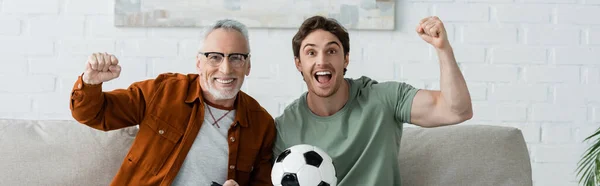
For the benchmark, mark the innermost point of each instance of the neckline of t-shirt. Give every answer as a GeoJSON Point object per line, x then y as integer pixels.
{"type": "Point", "coordinates": [338, 114]}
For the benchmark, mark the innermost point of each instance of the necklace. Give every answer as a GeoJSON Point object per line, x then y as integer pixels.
{"type": "Point", "coordinates": [213, 117]}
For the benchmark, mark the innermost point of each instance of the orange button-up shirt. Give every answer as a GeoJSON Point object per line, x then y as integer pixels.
{"type": "Point", "coordinates": [170, 111]}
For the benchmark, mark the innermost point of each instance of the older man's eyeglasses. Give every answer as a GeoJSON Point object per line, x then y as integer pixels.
{"type": "Point", "coordinates": [215, 58]}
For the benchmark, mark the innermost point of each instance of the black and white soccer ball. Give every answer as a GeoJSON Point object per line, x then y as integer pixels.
{"type": "Point", "coordinates": [303, 165]}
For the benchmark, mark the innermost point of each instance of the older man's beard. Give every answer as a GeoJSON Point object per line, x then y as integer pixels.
{"type": "Point", "coordinates": [221, 95]}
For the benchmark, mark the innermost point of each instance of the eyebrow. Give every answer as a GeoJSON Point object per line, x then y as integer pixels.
{"type": "Point", "coordinates": [313, 45]}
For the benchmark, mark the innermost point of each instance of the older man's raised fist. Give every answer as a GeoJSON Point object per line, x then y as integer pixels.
{"type": "Point", "coordinates": [101, 67]}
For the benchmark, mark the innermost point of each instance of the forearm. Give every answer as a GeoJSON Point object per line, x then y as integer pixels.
{"type": "Point", "coordinates": [453, 87]}
{"type": "Point", "coordinates": [100, 110]}
{"type": "Point", "coordinates": [86, 104]}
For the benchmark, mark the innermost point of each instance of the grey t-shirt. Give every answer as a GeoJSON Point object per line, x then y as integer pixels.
{"type": "Point", "coordinates": [208, 158]}
{"type": "Point", "coordinates": [363, 138]}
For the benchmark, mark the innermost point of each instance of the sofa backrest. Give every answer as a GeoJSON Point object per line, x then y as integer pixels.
{"type": "Point", "coordinates": [68, 153]}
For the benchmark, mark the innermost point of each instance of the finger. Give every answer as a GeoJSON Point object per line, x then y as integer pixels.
{"type": "Point", "coordinates": [424, 20]}
{"type": "Point", "coordinates": [428, 27]}
{"type": "Point", "coordinates": [436, 21]}
{"type": "Point", "coordinates": [107, 62]}
{"type": "Point", "coordinates": [94, 61]}
{"type": "Point", "coordinates": [113, 60]}
{"type": "Point", "coordinates": [426, 38]}
{"type": "Point", "coordinates": [425, 29]}
{"type": "Point", "coordinates": [429, 23]}
{"type": "Point", "coordinates": [88, 68]}
{"type": "Point", "coordinates": [419, 29]}
{"type": "Point", "coordinates": [434, 31]}
{"type": "Point", "coordinates": [88, 63]}
{"type": "Point", "coordinates": [115, 70]}
{"type": "Point", "coordinates": [424, 26]}
{"type": "Point", "coordinates": [101, 63]}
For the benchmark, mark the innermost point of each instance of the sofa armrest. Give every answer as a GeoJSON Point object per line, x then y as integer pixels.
{"type": "Point", "coordinates": [44, 152]}
{"type": "Point", "coordinates": [462, 155]}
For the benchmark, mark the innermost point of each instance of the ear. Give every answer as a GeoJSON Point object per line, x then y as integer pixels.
{"type": "Point", "coordinates": [298, 64]}
{"type": "Point", "coordinates": [198, 67]}
{"type": "Point", "coordinates": [249, 67]}
{"type": "Point", "coordinates": [346, 60]}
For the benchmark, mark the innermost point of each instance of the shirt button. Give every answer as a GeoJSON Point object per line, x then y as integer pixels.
{"type": "Point", "coordinates": [232, 139]}
{"type": "Point", "coordinates": [161, 131]}
{"type": "Point", "coordinates": [231, 167]}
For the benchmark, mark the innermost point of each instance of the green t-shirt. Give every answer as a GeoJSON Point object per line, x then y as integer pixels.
{"type": "Point", "coordinates": [363, 138]}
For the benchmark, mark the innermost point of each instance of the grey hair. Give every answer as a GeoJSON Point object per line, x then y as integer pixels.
{"type": "Point", "coordinates": [228, 24]}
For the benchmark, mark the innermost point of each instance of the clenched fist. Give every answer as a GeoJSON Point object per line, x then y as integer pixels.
{"type": "Point", "coordinates": [101, 67]}
{"type": "Point", "coordinates": [431, 29]}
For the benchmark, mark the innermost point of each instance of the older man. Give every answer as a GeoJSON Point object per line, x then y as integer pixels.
{"type": "Point", "coordinates": [194, 129]}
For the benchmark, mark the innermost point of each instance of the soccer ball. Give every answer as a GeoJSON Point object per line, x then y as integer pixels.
{"type": "Point", "coordinates": [303, 165]}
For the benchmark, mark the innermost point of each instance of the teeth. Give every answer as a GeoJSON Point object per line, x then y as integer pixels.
{"type": "Point", "coordinates": [323, 73]}
{"type": "Point", "coordinates": [224, 81]}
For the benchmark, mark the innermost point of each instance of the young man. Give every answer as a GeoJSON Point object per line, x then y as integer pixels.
{"type": "Point", "coordinates": [358, 122]}
{"type": "Point", "coordinates": [194, 129]}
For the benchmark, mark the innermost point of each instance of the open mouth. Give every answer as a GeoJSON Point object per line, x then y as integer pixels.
{"type": "Point", "coordinates": [323, 76]}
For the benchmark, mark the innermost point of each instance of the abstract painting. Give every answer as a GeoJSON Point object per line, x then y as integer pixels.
{"type": "Point", "coordinates": [353, 14]}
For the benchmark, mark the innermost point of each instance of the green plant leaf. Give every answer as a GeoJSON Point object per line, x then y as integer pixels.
{"type": "Point", "coordinates": [588, 168]}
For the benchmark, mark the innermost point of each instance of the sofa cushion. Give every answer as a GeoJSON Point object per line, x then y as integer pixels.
{"type": "Point", "coordinates": [464, 155]}
{"type": "Point", "coordinates": [60, 153]}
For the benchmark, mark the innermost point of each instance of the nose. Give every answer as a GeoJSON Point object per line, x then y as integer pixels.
{"type": "Point", "coordinates": [321, 60]}
{"type": "Point", "coordinates": [225, 67]}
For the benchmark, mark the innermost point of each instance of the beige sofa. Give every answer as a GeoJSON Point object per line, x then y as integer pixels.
{"type": "Point", "coordinates": [67, 153]}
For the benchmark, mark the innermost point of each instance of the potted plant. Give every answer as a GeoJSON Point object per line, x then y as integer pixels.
{"type": "Point", "coordinates": [589, 166]}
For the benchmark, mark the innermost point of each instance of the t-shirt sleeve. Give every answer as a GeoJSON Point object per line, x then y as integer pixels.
{"type": "Point", "coordinates": [399, 96]}
{"type": "Point", "coordinates": [405, 95]}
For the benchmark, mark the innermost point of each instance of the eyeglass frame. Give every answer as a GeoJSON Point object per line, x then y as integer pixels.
{"type": "Point", "coordinates": [223, 55]}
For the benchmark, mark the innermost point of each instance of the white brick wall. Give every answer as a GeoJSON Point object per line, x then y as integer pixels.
{"type": "Point", "coordinates": [24, 6]}
{"type": "Point", "coordinates": [578, 14]}
{"type": "Point", "coordinates": [88, 7]}
{"type": "Point", "coordinates": [552, 74]}
{"type": "Point", "coordinates": [56, 26]}
{"type": "Point", "coordinates": [530, 64]}
{"type": "Point", "coordinates": [593, 2]}
{"type": "Point", "coordinates": [489, 34]}
{"type": "Point", "coordinates": [577, 55]}
{"type": "Point", "coordinates": [594, 36]}
{"type": "Point", "coordinates": [10, 26]}
{"type": "Point", "coordinates": [463, 12]}
{"type": "Point", "coordinates": [523, 13]}
{"type": "Point", "coordinates": [26, 46]}
{"type": "Point", "coordinates": [519, 55]}
{"type": "Point", "coordinates": [490, 73]}
{"type": "Point", "coordinates": [550, 35]}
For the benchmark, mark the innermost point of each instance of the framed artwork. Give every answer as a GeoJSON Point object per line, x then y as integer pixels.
{"type": "Point", "coordinates": [353, 14]}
